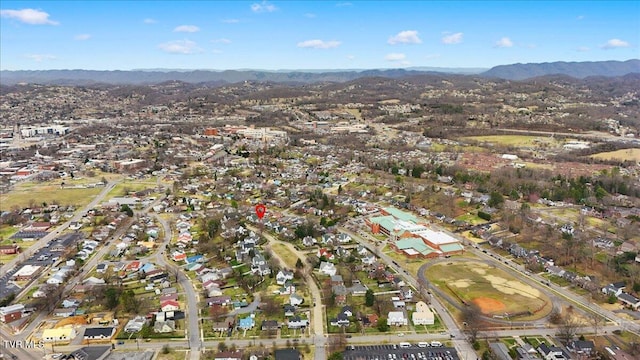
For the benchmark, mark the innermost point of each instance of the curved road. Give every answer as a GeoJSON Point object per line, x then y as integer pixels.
{"type": "Point", "coordinates": [319, 338]}
{"type": "Point", "coordinates": [193, 333]}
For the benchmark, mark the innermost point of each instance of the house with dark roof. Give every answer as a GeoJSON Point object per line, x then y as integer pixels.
{"type": "Point", "coordinates": [552, 352]}
{"type": "Point", "coordinates": [99, 333]}
{"type": "Point", "coordinates": [582, 347]}
{"type": "Point", "coordinates": [629, 300]}
{"type": "Point", "coordinates": [288, 354]}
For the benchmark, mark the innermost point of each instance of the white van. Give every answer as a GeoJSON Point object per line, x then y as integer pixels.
{"type": "Point", "coordinates": [404, 345]}
{"type": "Point", "coordinates": [423, 344]}
{"type": "Point", "coordinates": [436, 343]}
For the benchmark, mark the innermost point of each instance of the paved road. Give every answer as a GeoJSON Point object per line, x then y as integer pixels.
{"type": "Point", "coordinates": [462, 346]}
{"type": "Point", "coordinates": [317, 321]}
{"type": "Point", "coordinates": [194, 335]}
{"type": "Point", "coordinates": [52, 235]}
{"type": "Point", "coordinates": [559, 291]}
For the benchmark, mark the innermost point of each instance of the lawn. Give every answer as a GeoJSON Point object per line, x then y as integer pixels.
{"type": "Point", "coordinates": [620, 155]}
{"type": "Point", "coordinates": [513, 140]}
{"type": "Point", "coordinates": [285, 254]}
{"type": "Point", "coordinates": [24, 197]}
{"type": "Point", "coordinates": [172, 355]}
{"type": "Point", "coordinates": [127, 186]}
{"type": "Point", "coordinates": [492, 289]}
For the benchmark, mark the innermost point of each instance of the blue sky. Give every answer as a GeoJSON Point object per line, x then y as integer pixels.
{"type": "Point", "coordinates": [124, 35]}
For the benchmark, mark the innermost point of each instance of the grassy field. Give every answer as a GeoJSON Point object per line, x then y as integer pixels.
{"type": "Point", "coordinates": [492, 289]}
{"type": "Point", "coordinates": [285, 254]}
{"type": "Point", "coordinates": [514, 140]}
{"type": "Point", "coordinates": [50, 194]}
{"type": "Point", "coordinates": [621, 155]}
{"type": "Point", "coordinates": [126, 186]}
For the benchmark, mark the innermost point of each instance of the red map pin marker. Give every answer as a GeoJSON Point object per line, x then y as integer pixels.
{"type": "Point", "coordinates": [260, 210]}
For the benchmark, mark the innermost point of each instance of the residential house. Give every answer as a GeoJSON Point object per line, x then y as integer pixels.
{"type": "Point", "coordinates": [499, 351]}
{"type": "Point", "coordinates": [62, 312]}
{"type": "Point", "coordinates": [340, 292]}
{"type": "Point", "coordinates": [269, 325]}
{"type": "Point", "coordinates": [166, 326]}
{"type": "Point", "coordinates": [99, 333]}
{"type": "Point", "coordinates": [327, 268]}
{"type": "Point", "coordinates": [247, 323]}
{"type": "Point", "coordinates": [295, 300]}
{"type": "Point", "coordinates": [229, 355]}
{"type": "Point", "coordinates": [397, 318]}
{"type": "Point", "coordinates": [289, 310]}
{"type": "Point", "coordinates": [552, 352]}
{"type": "Point", "coordinates": [584, 348]}
{"type": "Point", "coordinates": [630, 300]}
{"type": "Point", "coordinates": [614, 289]}
{"type": "Point", "coordinates": [297, 323]}
{"type": "Point", "coordinates": [219, 300]}
{"type": "Point", "coordinates": [134, 325]}
{"type": "Point", "coordinates": [169, 305]}
{"type": "Point", "coordinates": [340, 320]}
{"type": "Point", "coordinates": [358, 289]}
{"type": "Point", "coordinates": [283, 276]}
{"type": "Point", "coordinates": [336, 280]}
{"type": "Point", "coordinates": [288, 354]}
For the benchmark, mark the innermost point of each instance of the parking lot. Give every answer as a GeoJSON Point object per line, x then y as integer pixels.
{"type": "Point", "coordinates": [395, 352]}
{"type": "Point", "coordinates": [45, 256]}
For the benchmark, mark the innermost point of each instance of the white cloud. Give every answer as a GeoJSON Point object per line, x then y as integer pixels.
{"type": "Point", "coordinates": [230, 21]}
{"type": "Point", "coordinates": [319, 44]}
{"type": "Point", "coordinates": [29, 16]}
{"type": "Point", "coordinates": [580, 17]}
{"type": "Point", "coordinates": [149, 21]}
{"type": "Point", "coordinates": [452, 38]}
{"type": "Point", "coordinates": [187, 28]}
{"type": "Point", "coordinates": [310, 15]}
{"type": "Point", "coordinates": [395, 57]}
{"type": "Point", "coordinates": [180, 47]}
{"type": "Point", "coordinates": [82, 37]}
{"type": "Point", "coordinates": [344, 4]}
{"type": "Point", "coordinates": [263, 7]}
{"type": "Point", "coordinates": [615, 43]}
{"type": "Point", "coordinates": [221, 41]}
{"type": "Point", "coordinates": [351, 57]}
{"type": "Point", "coordinates": [405, 37]}
{"type": "Point", "coordinates": [582, 49]}
{"type": "Point", "coordinates": [505, 42]}
{"type": "Point", "coordinates": [41, 57]}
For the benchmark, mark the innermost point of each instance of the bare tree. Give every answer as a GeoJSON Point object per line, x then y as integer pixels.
{"type": "Point", "coordinates": [472, 321]}
{"type": "Point", "coordinates": [596, 321]}
{"type": "Point", "coordinates": [568, 328]}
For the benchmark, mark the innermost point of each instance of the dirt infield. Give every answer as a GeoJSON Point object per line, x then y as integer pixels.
{"type": "Point", "coordinates": [489, 305]}
{"type": "Point", "coordinates": [495, 291]}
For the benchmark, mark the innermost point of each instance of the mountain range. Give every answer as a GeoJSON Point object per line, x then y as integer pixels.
{"type": "Point", "coordinates": [154, 76]}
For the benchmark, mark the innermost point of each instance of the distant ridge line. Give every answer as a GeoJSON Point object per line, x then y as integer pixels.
{"type": "Point", "coordinates": [578, 70]}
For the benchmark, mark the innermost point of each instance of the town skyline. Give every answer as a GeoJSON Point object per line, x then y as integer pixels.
{"type": "Point", "coordinates": [312, 35]}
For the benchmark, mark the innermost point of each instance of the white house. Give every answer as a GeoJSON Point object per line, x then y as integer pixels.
{"type": "Point", "coordinates": [283, 276]}
{"type": "Point", "coordinates": [328, 268]}
{"type": "Point", "coordinates": [397, 318]}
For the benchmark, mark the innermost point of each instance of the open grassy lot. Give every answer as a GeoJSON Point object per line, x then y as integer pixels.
{"type": "Point", "coordinates": [493, 290]}
{"type": "Point", "coordinates": [22, 197]}
{"type": "Point", "coordinates": [285, 254]}
{"type": "Point", "coordinates": [514, 140]}
{"type": "Point", "coordinates": [127, 186]}
{"type": "Point", "coordinates": [621, 155]}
